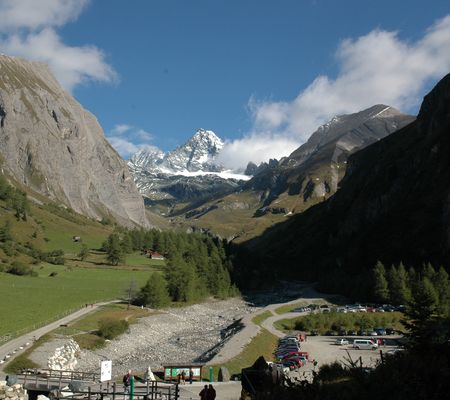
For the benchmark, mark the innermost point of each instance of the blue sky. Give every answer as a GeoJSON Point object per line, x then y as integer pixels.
{"type": "Point", "coordinates": [261, 74]}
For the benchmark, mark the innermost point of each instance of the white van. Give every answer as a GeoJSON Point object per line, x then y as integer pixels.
{"type": "Point", "coordinates": [364, 344]}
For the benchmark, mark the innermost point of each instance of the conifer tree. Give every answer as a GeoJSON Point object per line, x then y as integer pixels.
{"type": "Point", "coordinates": [398, 289]}
{"type": "Point", "coordinates": [113, 249]}
{"type": "Point", "coordinates": [442, 285]}
{"type": "Point", "coordinates": [421, 312]}
{"type": "Point", "coordinates": [428, 272]}
{"type": "Point", "coordinates": [380, 283]}
{"type": "Point", "coordinates": [154, 294]}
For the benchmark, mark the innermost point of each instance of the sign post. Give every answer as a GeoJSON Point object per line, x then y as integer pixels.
{"type": "Point", "coordinates": [105, 370]}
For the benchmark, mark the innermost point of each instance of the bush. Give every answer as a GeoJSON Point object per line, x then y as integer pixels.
{"type": "Point", "coordinates": [20, 269]}
{"type": "Point", "coordinates": [111, 328]}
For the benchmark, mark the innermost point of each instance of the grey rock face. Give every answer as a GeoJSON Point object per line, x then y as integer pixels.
{"type": "Point", "coordinates": [188, 173]}
{"type": "Point", "coordinates": [49, 142]}
{"type": "Point", "coordinates": [314, 170]}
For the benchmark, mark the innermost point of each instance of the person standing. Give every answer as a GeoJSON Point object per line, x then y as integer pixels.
{"type": "Point", "coordinates": [126, 383]}
{"type": "Point", "coordinates": [211, 394]}
{"type": "Point", "coordinates": [204, 393]}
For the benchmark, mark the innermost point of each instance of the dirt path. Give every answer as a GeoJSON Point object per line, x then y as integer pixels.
{"type": "Point", "coordinates": [13, 347]}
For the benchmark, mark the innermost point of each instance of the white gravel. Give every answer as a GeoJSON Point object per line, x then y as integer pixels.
{"type": "Point", "coordinates": [174, 336]}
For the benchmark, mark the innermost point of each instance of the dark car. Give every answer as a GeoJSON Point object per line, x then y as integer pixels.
{"type": "Point", "coordinates": [380, 331]}
{"type": "Point", "coordinates": [352, 333]}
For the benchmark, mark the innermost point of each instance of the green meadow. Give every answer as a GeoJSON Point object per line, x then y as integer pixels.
{"type": "Point", "coordinates": [29, 302]}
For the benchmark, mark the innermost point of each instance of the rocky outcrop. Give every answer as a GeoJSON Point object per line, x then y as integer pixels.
{"type": "Point", "coordinates": [65, 357]}
{"type": "Point", "coordinates": [14, 392]}
{"type": "Point", "coordinates": [51, 144]}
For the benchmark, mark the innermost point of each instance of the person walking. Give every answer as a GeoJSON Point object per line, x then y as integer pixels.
{"type": "Point", "coordinates": [191, 376]}
{"type": "Point", "coordinates": [211, 393]}
{"type": "Point", "coordinates": [204, 393]}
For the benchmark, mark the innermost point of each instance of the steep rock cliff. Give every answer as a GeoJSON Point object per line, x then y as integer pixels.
{"type": "Point", "coordinates": [50, 143]}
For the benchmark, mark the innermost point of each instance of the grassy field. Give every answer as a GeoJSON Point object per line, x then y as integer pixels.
{"type": "Point", "coordinates": [262, 317]}
{"type": "Point", "coordinates": [27, 302]}
{"type": "Point", "coordinates": [82, 331]}
{"type": "Point", "coordinates": [264, 344]}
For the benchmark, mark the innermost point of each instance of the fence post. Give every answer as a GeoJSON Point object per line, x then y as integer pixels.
{"type": "Point", "coordinates": [132, 387]}
{"type": "Point", "coordinates": [89, 393]}
{"type": "Point", "coordinates": [114, 391]}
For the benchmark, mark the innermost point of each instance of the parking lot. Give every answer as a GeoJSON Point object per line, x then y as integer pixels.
{"type": "Point", "coordinates": [323, 350]}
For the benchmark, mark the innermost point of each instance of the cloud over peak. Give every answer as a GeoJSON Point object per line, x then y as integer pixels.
{"type": "Point", "coordinates": [377, 68]}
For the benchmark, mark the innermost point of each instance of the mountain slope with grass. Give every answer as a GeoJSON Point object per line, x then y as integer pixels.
{"type": "Point", "coordinates": [393, 206]}
{"type": "Point", "coordinates": [308, 176]}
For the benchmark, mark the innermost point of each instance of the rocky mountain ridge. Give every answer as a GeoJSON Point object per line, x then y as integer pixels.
{"type": "Point", "coordinates": [188, 173]}
{"type": "Point", "coordinates": [311, 174]}
{"type": "Point", "coordinates": [393, 205]}
{"type": "Point", "coordinates": [51, 144]}
{"type": "Point", "coordinates": [314, 170]}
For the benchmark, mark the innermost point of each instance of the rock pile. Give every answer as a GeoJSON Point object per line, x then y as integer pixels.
{"type": "Point", "coordinates": [14, 392]}
{"type": "Point", "coordinates": [65, 357]}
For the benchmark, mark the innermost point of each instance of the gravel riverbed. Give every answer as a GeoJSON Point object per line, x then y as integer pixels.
{"type": "Point", "coordinates": [176, 336]}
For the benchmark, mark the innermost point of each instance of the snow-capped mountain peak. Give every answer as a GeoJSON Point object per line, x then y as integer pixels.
{"type": "Point", "coordinates": [190, 168]}
{"type": "Point", "coordinates": [197, 154]}
{"type": "Point", "coordinates": [147, 156]}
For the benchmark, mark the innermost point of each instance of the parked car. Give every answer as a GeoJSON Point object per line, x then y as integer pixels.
{"type": "Point", "coordinates": [390, 331]}
{"type": "Point", "coordinates": [352, 333]}
{"type": "Point", "coordinates": [314, 332]}
{"type": "Point", "coordinates": [362, 332]}
{"type": "Point", "coordinates": [364, 344]}
{"type": "Point", "coordinates": [373, 333]}
{"type": "Point", "coordinates": [341, 342]}
{"type": "Point", "coordinates": [380, 331]}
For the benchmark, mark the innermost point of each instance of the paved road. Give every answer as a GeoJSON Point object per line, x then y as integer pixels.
{"type": "Point", "coordinates": [237, 343]}
{"type": "Point", "coordinates": [15, 344]}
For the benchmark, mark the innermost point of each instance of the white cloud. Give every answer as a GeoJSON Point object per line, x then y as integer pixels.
{"type": "Point", "coordinates": [28, 30]}
{"type": "Point", "coordinates": [128, 140]}
{"type": "Point", "coordinates": [376, 68]}
{"type": "Point", "coordinates": [123, 146]}
{"type": "Point", "coordinates": [257, 148]}
{"type": "Point", "coordinates": [34, 15]}
{"type": "Point", "coordinates": [119, 129]}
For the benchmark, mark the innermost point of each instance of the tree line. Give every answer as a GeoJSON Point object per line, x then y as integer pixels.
{"type": "Point", "coordinates": [197, 265]}
{"type": "Point", "coordinates": [398, 285]}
